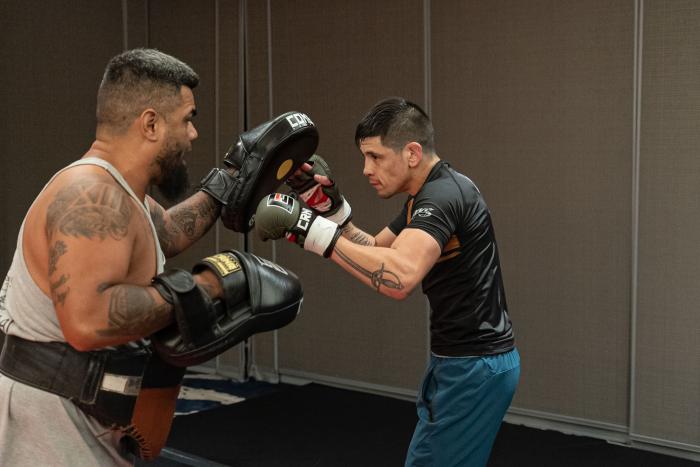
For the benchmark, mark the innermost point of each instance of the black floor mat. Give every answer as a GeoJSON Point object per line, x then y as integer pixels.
{"type": "Point", "coordinates": [310, 425]}
{"type": "Point", "coordinates": [320, 426]}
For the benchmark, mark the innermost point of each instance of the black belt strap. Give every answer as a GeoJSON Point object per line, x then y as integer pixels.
{"type": "Point", "coordinates": [55, 367]}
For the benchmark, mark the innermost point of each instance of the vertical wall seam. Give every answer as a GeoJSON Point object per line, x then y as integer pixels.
{"type": "Point", "coordinates": [636, 159]}
{"type": "Point", "coordinates": [243, 94]}
{"type": "Point", "coordinates": [147, 14]}
{"type": "Point", "coordinates": [217, 97]}
{"type": "Point", "coordinates": [427, 45]}
{"type": "Point", "coordinates": [217, 104]}
{"type": "Point", "coordinates": [125, 24]}
{"type": "Point", "coordinates": [270, 109]}
{"type": "Point", "coordinates": [246, 354]}
{"type": "Point", "coordinates": [427, 78]}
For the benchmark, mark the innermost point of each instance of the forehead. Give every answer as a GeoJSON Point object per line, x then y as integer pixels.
{"type": "Point", "coordinates": [187, 97]}
{"type": "Point", "coordinates": [373, 144]}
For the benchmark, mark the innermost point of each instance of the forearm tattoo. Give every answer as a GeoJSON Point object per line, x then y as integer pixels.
{"type": "Point", "coordinates": [90, 209]}
{"type": "Point", "coordinates": [165, 237]}
{"type": "Point", "coordinates": [184, 223]}
{"type": "Point", "coordinates": [186, 220]}
{"type": "Point", "coordinates": [133, 311]}
{"type": "Point", "coordinates": [356, 235]}
{"type": "Point", "coordinates": [377, 278]}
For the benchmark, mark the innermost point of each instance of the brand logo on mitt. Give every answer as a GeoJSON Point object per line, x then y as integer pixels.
{"type": "Point", "coordinates": [225, 263]}
{"type": "Point", "coordinates": [281, 201]}
{"type": "Point", "coordinates": [299, 120]}
{"type": "Point", "coordinates": [270, 264]}
{"type": "Point", "coordinates": [423, 212]}
{"type": "Point", "coordinates": [304, 219]}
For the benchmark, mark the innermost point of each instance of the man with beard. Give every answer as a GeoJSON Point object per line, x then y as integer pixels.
{"type": "Point", "coordinates": [89, 247]}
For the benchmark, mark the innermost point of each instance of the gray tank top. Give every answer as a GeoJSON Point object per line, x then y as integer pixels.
{"type": "Point", "coordinates": [25, 310]}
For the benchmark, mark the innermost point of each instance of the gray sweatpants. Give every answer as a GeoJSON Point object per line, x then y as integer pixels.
{"type": "Point", "coordinates": [40, 428]}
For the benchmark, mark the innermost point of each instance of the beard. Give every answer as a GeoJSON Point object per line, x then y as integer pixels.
{"type": "Point", "coordinates": [173, 181]}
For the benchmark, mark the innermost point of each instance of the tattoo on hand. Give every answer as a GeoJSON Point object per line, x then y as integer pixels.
{"type": "Point", "coordinates": [55, 252]}
{"type": "Point", "coordinates": [133, 311]}
{"type": "Point", "coordinates": [90, 209]}
{"type": "Point", "coordinates": [377, 278]}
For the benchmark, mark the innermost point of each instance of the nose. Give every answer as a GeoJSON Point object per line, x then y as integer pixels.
{"type": "Point", "coordinates": [367, 170]}
{"type": "Point", "coordinates": [192, 132]}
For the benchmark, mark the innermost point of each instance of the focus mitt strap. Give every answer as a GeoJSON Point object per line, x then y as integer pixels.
{"type": "Point", "coordinates": [194, 311]}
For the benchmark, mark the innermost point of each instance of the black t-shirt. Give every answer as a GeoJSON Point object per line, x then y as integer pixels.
{"type": "Point", "coordinates": [469, 315]}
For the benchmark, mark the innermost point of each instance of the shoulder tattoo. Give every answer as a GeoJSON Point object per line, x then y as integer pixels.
{"type": "Point", "coordinates": [91, 209]}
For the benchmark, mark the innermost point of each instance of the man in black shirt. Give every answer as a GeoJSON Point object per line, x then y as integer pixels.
{"type": "Point", "coordinates": [443, 239]}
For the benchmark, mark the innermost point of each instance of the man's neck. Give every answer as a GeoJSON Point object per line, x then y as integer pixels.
{"type": "Point", "coordinates": [422, 172]}
{"type": "Point", "coordinates": [126, 160]}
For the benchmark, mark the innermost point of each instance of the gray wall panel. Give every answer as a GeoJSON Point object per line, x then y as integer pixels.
{"type": "Point", "coordinates": [207, 38]}
{"type": "Point", "coordinates": [190, 35]}
{"type": "Point", "coordinates": [668, 356]}
{"type": "Point", "coordinates": [533, 101]}
{"type": "Point", "coordinates": [324, 63]}
{"type": "Point", "coordinates": [258, 100]}
{"type": "Point", "coordinates": [49, 72]}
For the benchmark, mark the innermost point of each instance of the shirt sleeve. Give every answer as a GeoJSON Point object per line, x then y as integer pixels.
{"type": "Point", "coordinates": [398, 224]}
{"type": "Point", "coordinates": [434, 215]}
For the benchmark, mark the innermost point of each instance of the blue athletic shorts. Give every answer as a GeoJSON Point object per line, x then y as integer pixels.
{"type": "Point", "coordinates": [460, 408]}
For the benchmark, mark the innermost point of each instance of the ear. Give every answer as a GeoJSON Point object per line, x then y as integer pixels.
{"type": "Point", "coordinates": [415, 153]}
{"type": "Point", "coordinates": [150, 124]}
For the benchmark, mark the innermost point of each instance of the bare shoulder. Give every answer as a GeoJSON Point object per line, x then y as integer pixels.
{"type": "Point", "coordinates": [82, 209]}
{"type": "Point", "coordinates": [87, 202]}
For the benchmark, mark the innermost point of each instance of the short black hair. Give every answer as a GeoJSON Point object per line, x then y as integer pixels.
{"type": "Point", "coordinates": [137, 79]}
{"type": "Point", "coordinates": [397, 122]}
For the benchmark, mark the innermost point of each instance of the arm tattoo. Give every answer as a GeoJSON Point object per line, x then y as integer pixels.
{"type": "Point", "coordinates": [377, 278]}
{"type": "Point", "coordinates": [59, 296]}
{"type": "Point", "coordinates": [90, 209]}
{"type": "Point", "coordinates": [208, 210]}
{"type": "Point", "coordinates": [186, 219]}
{"type": "Point", "coordinates": [132, 311]}
{"type": "Point", "coordinates": [183, 223]}
{"type": "Point", "coordinates": [165, 237]}
{"type": "Point", "coordinates": [356, 235]}
{"type": "Point", "coordinates": [55, 252]}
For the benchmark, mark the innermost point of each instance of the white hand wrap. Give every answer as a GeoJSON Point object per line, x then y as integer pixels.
{"type": "Point", "coordinates": [321, 236]}
{"type": "Point", "coordinates": [343, 213]}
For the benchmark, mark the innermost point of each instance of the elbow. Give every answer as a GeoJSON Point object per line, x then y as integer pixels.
{"type": "Point", "coordinates": [400, 292]}
{"type": "Point", "coordinates": [80, 343]}
{"type": "Point", "coordinates": [82, 338]}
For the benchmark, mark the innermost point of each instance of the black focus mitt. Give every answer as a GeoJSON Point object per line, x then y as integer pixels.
{"type": "Point", "coordinates": [258, 163]}
{"type": "Point", "coordinates": [259, 295]}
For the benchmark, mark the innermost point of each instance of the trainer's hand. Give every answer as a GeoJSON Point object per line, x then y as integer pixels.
{"type": "Point", "coordinates": [313, 184]}
{"type": "Point", "coordinates": [280, 215]}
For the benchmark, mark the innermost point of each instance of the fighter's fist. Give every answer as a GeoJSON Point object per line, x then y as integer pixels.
{"type": "Point", "coordinates": [280, 215]}
{"type": "Point", "coordinates": [320, 192]}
